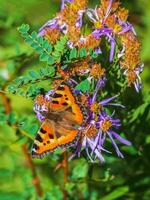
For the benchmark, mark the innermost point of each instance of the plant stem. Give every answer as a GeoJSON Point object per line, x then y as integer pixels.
{"type": "Point", "coordinates": [6, 103]}
{"type": "Point", "coordinates": [65, 166]}
{"type": "Point", "coordinates": [36, 181]}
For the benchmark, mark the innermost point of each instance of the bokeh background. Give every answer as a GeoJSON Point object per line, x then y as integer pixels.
{"type": "Point", "coordinates": [23, 178]}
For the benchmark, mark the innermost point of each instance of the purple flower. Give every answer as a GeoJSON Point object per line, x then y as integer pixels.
{"type": "Point", "coordinates": [94, 145]}
{"type": "Point", "coordinates": [107, 32]}
{"type": "Point", "coordinates": [106, 102]}
{"type": "Point", "coordinates": [106, 123]}
{"type": "Point", "coordinates": [79, 22]}
{"type": "Point", "coordinates": [108, 10]}
{"type": "Point", "coordinates": [63, 3]}
{"type": "Point", "coordinates": [126, 26]}
{"type": "Point", "coordinates": [41, 105]}
{"type": "Point", "coordinates": [138, 82]}
{"type": "Point", "coordinates": [53, 23]}
{"type": "Point", "coordinates": [100, 84]}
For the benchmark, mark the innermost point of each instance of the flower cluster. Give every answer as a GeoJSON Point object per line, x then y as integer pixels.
{"type": "Point", "coordinates": [108, 21]}
{"type": "Point", "coordinates": [98, 127]}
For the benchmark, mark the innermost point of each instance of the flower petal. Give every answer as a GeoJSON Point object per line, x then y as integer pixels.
{"type": "Point", "coordinates": [120, 139]}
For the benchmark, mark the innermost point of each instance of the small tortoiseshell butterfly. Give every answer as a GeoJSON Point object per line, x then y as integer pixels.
{"type": "Point", "coordinates": [63, 116]}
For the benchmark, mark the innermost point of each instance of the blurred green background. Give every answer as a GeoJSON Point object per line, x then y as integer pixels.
{"type": "Point", "coordinates": [117, 179]}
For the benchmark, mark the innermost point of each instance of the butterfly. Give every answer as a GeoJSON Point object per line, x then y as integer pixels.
{"type": "Point", "coordinates": [63, 115]}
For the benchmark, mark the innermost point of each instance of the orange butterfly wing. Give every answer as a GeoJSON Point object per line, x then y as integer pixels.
{"type": "Point", "coordinates": [60, 127]}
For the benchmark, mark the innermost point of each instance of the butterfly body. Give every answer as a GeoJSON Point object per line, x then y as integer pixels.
{"type": "Point", "coordinates": [63, 115]}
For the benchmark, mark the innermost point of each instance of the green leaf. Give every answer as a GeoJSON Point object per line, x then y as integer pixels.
{"type": "Point", "coordinates": [34, 35]}
{"type": "Point", "coordinates": [118, 192]}
{"type": "Point", "coordinates": [34, 45]}
{"type": "Point", "coordinates": [24, 28]}
{"type": "Point", "coordinates": [39, 50]}
{"type": "Point", "coordinates": [51, 70]}
{"type": "Point", "coordinates": [51, 60]}
{"type": "Point", "coordinates": [11, 196]}
{"type": "Point", "coordinates": [34, 74]}
{"type": "Point", "coordinates": [70, 187]}
{"type": "Point", "coordinates": [94, 55]}
{"type": "Point", "coordinates": [40, 40]}
{"type": "Point", "coordinates": [33, 129]}
{"type": "Point", "coordinates": [44, 57]}
{"type": "Point", "coordinates": [11, 89]}
{"type": "Point", "coordinates": [80, 170]}
{"type": "Point", "coordinates": [54, 194]}
{"type": "Point", "coordinates": [12, 118]}
{"type": "Point", "coordinates": [83, 86]}
{"type": "Point", "coordinates": [3, 117]}
{"type": "Point", "coordinates": [47, 46]}
{"type": "Point", "coordinates": [29, 40]}
{"type": "Point", "coordinates": [73, 53]}
{"type": "Point", "coordinates": [82, 52]}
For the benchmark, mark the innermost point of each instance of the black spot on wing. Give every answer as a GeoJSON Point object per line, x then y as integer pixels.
{"type": "Point", "coordinates": [42, 130]}
{"type": "Point", "coordinates": [62, 88]}
{"type": "Point", "coordinates": [56, 95]}
{"type": "Point", "coordinates": [34, 154]}
{"type": "Point", "coordinates": [65, 104]}
{"type": "Point", "coordinates": [38, 137]}
{"type": "Point", "coordinates": [35, 146]}
{"type": "Point", "coordinates": [51, 136]}
{"type": "Point", "coordinates": [55, 102]}
{"type": "Point", "coordinates": [58, 135]}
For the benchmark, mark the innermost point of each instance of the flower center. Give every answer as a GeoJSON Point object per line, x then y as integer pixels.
{"type": "Point", "coordinates": [52, 35]}
{"type": "Point", "coordinates": [41, 101]}
{"type": "Point", "coordinates": [97, 71]}
{"type": "Point", "coordinates": [131, 77]}
{"type": "Point", "coordinates": [91, 132]}
{"type": "Point", "coordinates": [94, 107]}
{"type": "Point", "coordinates": [97, 24]}
{"type": "Point", "coordinates": [117, 28]}
{"type": "Point", "coordinates": [105, 125]}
